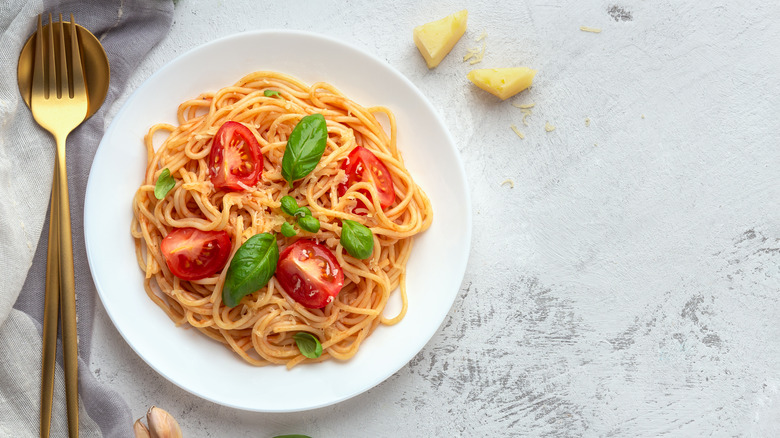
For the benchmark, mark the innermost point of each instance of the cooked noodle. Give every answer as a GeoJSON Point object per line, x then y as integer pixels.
{"type": "Point", "coordinates": [260, 329]}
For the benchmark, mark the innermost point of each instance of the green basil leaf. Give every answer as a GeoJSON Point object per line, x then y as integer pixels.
{"type": "Point", "coordinates": [270, 93]}
{"type": "Point", "coordinates": [165, 183]}
{"type": "Point", "coordinates": [288, 230]}
{"type": "Point", "coordinates": [302, 212]}
{"type": "Point", "coordinates": [308, 344]}
{"type": "Point", "coordinates": [295, 435]}
{"type": "Point", "coordinates": [357, 239]}
{"type": "Point", "coordinates": [289, 205]}
{"type": "Point", "coordinates": [305, 147]}
{"type": "Point", "coordinates": [311, 224]}
{"type": "Point", "coordinates": [252, 267]}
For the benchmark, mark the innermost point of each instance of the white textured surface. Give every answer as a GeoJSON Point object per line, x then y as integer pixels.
{"type": "Point", "coordinates": [627, 285]}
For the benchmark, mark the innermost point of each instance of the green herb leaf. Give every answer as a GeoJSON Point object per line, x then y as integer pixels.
{"type": "Point", "coordinates": [165, 183]}
{"type": "Point", "coordinates": [252, 267]}
{"type": "Point", "coordinates": [302, 212]}
{"type": "Point", "coordinates": [289, 205]}
{"type": "Point", "coordinates": [288, 230]}
{"type": "Point", "coordinates": [357, 239]}
{"type": "Point", "coordinates": [305, 147]}
{"type": "Point", "coordinates": [270, 93]}
{"type": "Point", "coordinates": [308, 344]}
{"type": "Point", "coordinates": [295, 435]}
{"type": "Point", "coordinates": [311, 224]}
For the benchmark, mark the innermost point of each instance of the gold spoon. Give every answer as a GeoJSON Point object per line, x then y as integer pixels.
{"type": "Point", "coordinates": [97, 75]}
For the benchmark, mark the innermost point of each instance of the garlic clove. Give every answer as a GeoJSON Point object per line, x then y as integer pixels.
{"type": "Point", "coordinates": [162, 424]}
{"type": "Point", "coordinates": [140, 430]}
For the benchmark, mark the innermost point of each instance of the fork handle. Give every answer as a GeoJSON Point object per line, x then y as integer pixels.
{"type": "Point", "coordinates": [50, 311]}
{"type": "Point", "coordinates": [67, 293]}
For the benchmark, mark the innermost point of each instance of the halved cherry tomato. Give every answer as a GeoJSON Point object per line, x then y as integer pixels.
{"type": "Point", "coordinates": [363, 165]}
{"type": "Point", "coordinates": [192, 254]}
{"type": "Point", "coordinates": [235, 161]}
{"type": "Point", "coordinates": [309, 273]}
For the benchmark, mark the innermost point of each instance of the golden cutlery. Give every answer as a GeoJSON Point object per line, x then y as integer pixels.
{"type": "Point", "coordinates": [52, 82]}
{"type": "Point", "coordinates": [96, 69]}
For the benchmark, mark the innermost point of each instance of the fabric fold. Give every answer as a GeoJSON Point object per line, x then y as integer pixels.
{"type": "Point", "coordinates": [128, 30]}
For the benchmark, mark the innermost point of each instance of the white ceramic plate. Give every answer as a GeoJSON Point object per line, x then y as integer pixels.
{"type": "Point", "coordinates": [204, 367]}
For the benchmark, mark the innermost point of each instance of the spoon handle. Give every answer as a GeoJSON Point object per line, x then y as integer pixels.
{"type": "Point", "coordinates": [51, 310]}
{"type": "Point", "coordinates": [67, 293]}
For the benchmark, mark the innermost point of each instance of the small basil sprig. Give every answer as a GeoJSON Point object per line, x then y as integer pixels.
{"type": "Point", "coordinates": [252, 267]}
{"type": "Point", "coordinates": [288, 230]}
{"type": "Point", "coordinates": [308, 344]}
{"type": "Point", "coordinates": [305, 147]}
{"type": "Point", "coordinates": [270, 93]}
{"type": "Point", "coordinates": [302, 212]}
{"type": "Point", "coordinates": [357, 239]}
{"type": "Point", "coordinates": [309, 223]}
{"type": "Point", "coordinates": [165, 183]}
{"type": "Point", "coordinates": [289, 205]}
{"type": "Point", "coordinates": [305, 220]}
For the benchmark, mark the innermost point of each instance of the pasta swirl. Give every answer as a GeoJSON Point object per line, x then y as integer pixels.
{"type": "Point", "coordinates": [260, 328]}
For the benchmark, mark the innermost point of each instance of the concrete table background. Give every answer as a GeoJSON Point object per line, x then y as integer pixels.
{"type": "Point", "coordinates": [627, 284]}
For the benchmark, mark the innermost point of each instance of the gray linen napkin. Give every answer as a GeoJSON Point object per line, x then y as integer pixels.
{"type": "Point", "coordinates": [128, 29]}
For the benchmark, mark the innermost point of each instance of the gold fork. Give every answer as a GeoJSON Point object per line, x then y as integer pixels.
{"type": "Point", "coordinates": [59, 104]}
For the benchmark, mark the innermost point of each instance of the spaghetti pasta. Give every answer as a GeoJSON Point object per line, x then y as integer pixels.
{"type": "Point", "coordinates": [260, 328]}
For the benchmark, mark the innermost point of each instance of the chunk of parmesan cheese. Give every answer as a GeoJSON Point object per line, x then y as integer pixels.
{"type": "Point", "coordinates": [503, 82]}
{"type": "Point", "coordinates": [434, 40]}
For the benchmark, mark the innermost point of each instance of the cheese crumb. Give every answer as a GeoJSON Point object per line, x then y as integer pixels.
{"type": "Point", "coordinates": [587, 121]}
{"type": "Point", "coordinates": [524, 105]}
{"type": "Point", "coordinates": [475, 54]}
{"type": "Point", "coordinates": [509, 182]}
{"type": "Point", "coordinates": [517, 131]}
{"type": "Point", "coordinates": [245, 187]}
{"type": "Point", "coordinates": [590, 29]}
{"type": "Point", "coordinates": [643, 116]}
{"type": "Point", "coordinates": [548, 127]}
{"type": "Point", "coordinates": [526, 113]}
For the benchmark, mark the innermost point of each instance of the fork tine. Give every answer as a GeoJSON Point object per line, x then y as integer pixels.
{"type": "Point", "coordinates": [52, 67]}
{"type": "Point", "coordinates": [63, 63]}
{"type": "Point", "coordinates": [38, 69]}
{"type": "Point", "coordinates": [78, 73]}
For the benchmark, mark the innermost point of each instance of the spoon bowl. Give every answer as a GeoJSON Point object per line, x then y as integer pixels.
{"type": "Point", "coordinates": [96, 69]}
